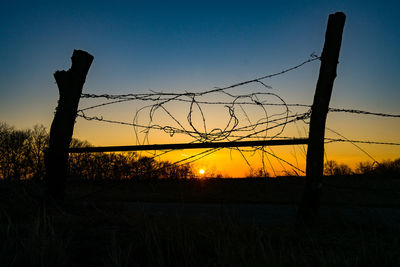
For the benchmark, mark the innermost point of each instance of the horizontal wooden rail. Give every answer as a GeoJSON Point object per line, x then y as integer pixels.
{"type": "Point", "coordinates": [296, 141]}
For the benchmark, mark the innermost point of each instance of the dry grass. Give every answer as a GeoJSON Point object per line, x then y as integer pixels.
{"type": "Point", "coordinates": [351, 190]}
{"type": "Point", "coordinates": [106, 234]}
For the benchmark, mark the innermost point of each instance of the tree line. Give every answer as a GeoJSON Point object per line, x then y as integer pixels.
{"type": "Point", "coordinates": [386, 169]}
{"type": "Point", "coordinates": [22, 156]}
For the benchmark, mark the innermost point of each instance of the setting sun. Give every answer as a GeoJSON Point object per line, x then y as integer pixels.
{"type": "Point", "coordinates": [201, 171]}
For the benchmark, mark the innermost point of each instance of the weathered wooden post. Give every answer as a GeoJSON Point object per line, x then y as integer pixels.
{"type": "Point", "coordinates": [310, 203]}
{"type": "Point", "coordinates": [70, 85]}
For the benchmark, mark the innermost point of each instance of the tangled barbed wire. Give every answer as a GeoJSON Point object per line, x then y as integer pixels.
{"type": "Point", "coordinates": [238, 111]}
{"type": "Point", "coordinates": [259, 115]}
{"type": "Point", "coordinates": [234, 128]}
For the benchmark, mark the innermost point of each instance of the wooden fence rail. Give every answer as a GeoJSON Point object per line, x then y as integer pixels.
{"type": "Point", "coordinates": [297, 141]}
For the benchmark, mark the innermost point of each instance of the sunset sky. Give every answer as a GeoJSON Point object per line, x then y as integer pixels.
{"type": "Point", "coordinates": [192, 46]}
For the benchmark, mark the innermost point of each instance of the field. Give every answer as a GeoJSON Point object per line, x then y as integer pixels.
{"type": "Point", "coordinates": [95, 227]}
{"type": "Point", "coordinates": [338, 190]}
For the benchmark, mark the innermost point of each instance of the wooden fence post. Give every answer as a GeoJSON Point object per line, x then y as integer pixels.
{"type": "Point", "coordinates": [310, 203]}
{"type": "Point", "coordinates": [70, 85]}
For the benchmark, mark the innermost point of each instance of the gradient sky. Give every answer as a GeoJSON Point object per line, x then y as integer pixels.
{"type": "Point", "coordinates": [196, 45]}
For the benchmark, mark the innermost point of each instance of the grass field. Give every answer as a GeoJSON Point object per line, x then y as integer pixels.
{"type": "Point", "coordinates": [348, 190]}
{"type": "Point", "coordinates": [97, 230]}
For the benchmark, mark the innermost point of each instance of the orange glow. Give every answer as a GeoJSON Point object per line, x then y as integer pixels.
{"type": "Point", "coordinates": [232, 163]}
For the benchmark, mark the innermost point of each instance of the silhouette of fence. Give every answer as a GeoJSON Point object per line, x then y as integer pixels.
{"type": "Point", "coordinates": [233, 135]}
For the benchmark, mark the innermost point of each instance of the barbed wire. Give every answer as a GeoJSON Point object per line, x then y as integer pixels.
{"type": "Point", "coordinates": [363, 112]}
{"type": "Point", "coordinates": [236, 127]}
{"type": "Point", "coordinates": [333, 140]}
{"type": "Point", "coordinates": [354, 144]}
{"type": "Point", "coordinates": [276, 115]}
{"type": "Point", "coordinates": [312, 58]}
{"type": "Point", "coordinates": [233, 127]}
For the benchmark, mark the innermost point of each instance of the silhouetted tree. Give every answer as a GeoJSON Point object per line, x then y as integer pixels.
{"type": "Point", "coordinates": [39, 141]}
{"type": "Point", "coordinates": [333, 168]}
{"type": "Point", "coordinates": [260, 172]}
{"type": "Point", "coordinates": [5, 131]}
{"type": "Point", "coordinates": [15, 154]}
{"type": "Point", "coordinates": [388, 169]}
{"type": "Point", "coordinates": [365, 168]}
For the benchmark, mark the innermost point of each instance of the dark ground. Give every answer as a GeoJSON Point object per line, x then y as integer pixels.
{"type": "Point", "coordinates": [234, 222]}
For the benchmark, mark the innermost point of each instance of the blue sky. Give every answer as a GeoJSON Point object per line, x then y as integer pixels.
{"type": "Point", "coordinates": [169, 44]}
{"type": "Point", "coordinates": [194, 45]}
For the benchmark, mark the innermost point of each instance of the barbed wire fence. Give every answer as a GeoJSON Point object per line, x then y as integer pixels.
{"type": "Point", "coordinates": [274, 116]}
